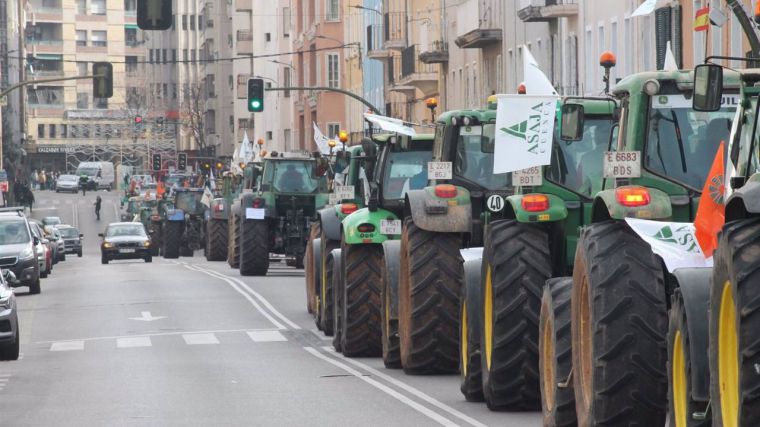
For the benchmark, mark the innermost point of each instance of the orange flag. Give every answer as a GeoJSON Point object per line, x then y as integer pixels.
{"type": "Point", "coordinates": [711, 213]}
{"type": "Point", "coordinates": [160, 190]}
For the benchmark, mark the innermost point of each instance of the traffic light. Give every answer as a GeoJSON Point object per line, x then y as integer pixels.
{"type": "Point", "coordinates": [182, 161]}
{"type": "Point", "coordinates": [102, 80]}
{"type": "Point", "coordinates": [138, 120]}
{"type": "Point", "coordinates": [255, 95]}
{"type": "Point", "coordinates": [160, 121]}
{"type": "Point", "coordinates": [154, 14]}
{"type": "Point", "coordinates": [156, 162]}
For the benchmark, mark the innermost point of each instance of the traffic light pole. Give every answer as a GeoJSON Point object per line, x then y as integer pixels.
{"type": "Point", "coordinates": [332, 89]}
{"type": "Point", "coordinates": [34, 82]}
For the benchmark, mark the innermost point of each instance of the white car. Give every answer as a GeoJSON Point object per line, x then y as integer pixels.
{"type": "Point", "coordinates": [67, 183]}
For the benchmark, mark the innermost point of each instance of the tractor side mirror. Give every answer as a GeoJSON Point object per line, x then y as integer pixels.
{"type": "Point", "coordinates": [370, 154]}
{"type": "Point", "coordinates": [572, 122]}
{"type": "Point", "coordinates": [708, 87]}
{"type": "Point", "coordinates": [486, 144]}
{"type": "Point", "coordinates": [321, 168]}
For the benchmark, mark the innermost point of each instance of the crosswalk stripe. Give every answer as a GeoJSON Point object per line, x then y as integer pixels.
{"type": "Point", "coordinates": [200, 339]}
{"type": "Point", "coordinates": [133, 342]}
{"type": "Point", "coordinates": [266, 336]}
{"type": "Point", "coordinates": [67, 346]}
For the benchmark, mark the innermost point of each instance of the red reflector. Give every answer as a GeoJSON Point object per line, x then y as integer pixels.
{"type": "Point", "coordinates": [366, 228]}
{"type": "Point", "coordinates": [220, 208]}
{"type": "Point", "coordinates": [155, 217]}
{"type": "Point", "coordinates": [366, 240]}
{"type": "Point", "coordinates": [258, 203]}
{"type": "Point", "coordinates": [535, 202]}
{"type": "Point", "coordinates": [347, 208]}
{"type": "Point", "coordinates": [445, 191]}
{"type": "Point", "coordinates": [632, 196]}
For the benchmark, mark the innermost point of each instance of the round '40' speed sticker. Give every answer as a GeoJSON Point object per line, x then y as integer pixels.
{"type": "Point", "coordinates": [495, 203]}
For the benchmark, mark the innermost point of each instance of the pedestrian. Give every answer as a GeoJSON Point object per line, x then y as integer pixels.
{"type": "Point", "coordinates": [41, 179]}
{"type": "Point", "coordinates": [83, 183]}
{"type": "Point", "coordinates": [29, 199]}
{"type": "Point", "coordinates": [33, 179]}
{"type": "Point", "coordinates": [98, 202]}
{"type": "Point", "coordinates": [49, 180]}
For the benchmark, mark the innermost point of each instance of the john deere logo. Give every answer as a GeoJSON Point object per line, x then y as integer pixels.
{"type": "Point", "coordinates": [681, 236]}
{"type": "Point", "coordinates": [663, 100]}
{"type": "Point", "coordinates": [537, 130]}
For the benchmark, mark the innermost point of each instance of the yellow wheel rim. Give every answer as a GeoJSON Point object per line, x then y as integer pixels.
{"type": "Point", "coordinates": [463, 339]}
{"type": "Point", "coordinates": [488, 321]}
{"type": "Point", "coordinates": [680, 391]}
{"type": "Point", "coordinates": [585, 348]}
{"type": "Point", "coordinates": [547, 361]}
{"type": "Point", "coordinates": [388, 313]}
{"type": "Point", "coordinates": [323, 287]}
{"type": "Point", "coordinates": [728, 361]}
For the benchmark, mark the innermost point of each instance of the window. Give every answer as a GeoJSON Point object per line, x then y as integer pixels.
{"type": "Point", "coordinates": [166, 90]}
{"type": "Point", "coordinates": [81, 68]}
{"type": "Point", "coordinates": [52, 131]}
{"type": "Point", "coordinates": [333, 129]}
{"type": "Point", "coordinates": [82, 101]}
{"type": "Point", "coordinates": [64, 131]}
{"type": "Point", "coordinates": [40, 131]}
{"type": "Point", "coordinates": [242, 123]}
{"type": "Point", "coordinates": [165, 55]}
{"type": "Point", "coordinates": [98, 7]}
{"type": "Point", "coordinates": [333, 71]}
{"type": "Point", "coordinates": [81, 37]}
{"type": "Point", "coordinates": [174, 56]}
{"type": "Point", "coordinates": [286, 22]}
{"type": "Point", "coordinates": [590, 61]}
{"type": "Point", "coordinates": [286, 138]}
{"type": "Point", "coordinates": [130, 37]}
{"type": "Point", "coordinates": [269, 135]}
{"type": "Point", "coordinates": [268, 37]}
{"type": "Point", "coordinates": [613, 45]}
{"type": "Point", "coordinates": [736, 41]}
{"type": "Point", "coordinates": [193, 55]}
{"type": "Point", "coordinates": [99, 38]}
{"type": "Point", "coordinates": [333, 10]}
{"type": "Point", "coordinates": [286, 80]}
{"type": "Point", "coordinates": [184, 55]}
{"type": "Point", "coordinates": [130, 65]}
{"type": "Point", "coordinates": [184, 22]}
{"type": "Point", "coordinates": [81, 7]}
{"type": "Point", "coordinates": [628, 46]}
{"type": "Point", "coordinates": [211, 85]}
{"type": "Point", "coordinates": [174, 90]}
{"type": "Point", "coordinates": [192, 22]}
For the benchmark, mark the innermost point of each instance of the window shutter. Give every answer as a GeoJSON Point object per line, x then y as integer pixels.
{"type": "Point", "coordinates": [662, 18]}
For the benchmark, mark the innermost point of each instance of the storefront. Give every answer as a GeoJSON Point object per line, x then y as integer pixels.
{"type": "Point", "coordinates": [49, 158]}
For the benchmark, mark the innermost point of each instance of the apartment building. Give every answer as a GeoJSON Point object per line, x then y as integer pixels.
{"type": "Point", "coordinates": [318, 42]}
{"type": "Point", "coordinates": [64, 38]}
{"type": "Point", "coordinates": [12, 130]}
{"type": "Point", "coordinates": [373, 77]}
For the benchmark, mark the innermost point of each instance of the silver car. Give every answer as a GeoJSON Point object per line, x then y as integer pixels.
{"type": "Point", "coordinates": [67, 183]}
{"type": "Point", "coordinates": [9, 335]}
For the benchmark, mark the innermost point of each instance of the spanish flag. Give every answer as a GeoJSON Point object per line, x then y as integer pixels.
{"type": "Point", "coordinates": [702, 19]}
{"type": "Point", "coordinates": [711, 213]}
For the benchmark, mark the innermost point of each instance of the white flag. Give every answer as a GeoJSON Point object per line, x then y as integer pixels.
{"type": "Point", "coordinates": [670, 59]}
{"type": "Point", "coordinates": [673, 241]}
{"type": "Point", "coordinates": [390, 124]}
{"type": "Point", "coordinates": [646, 8]}
{"type": "Point", "coordinates": [321, 140]}
{"type": "Point", "coordinates": [536, 82]}
{"type": "Point", "coordinates": [246, 151]}
{"type": "Point", "coordinates": [524, 131]}
{"type": "Point", "coordinates": [207, 197]}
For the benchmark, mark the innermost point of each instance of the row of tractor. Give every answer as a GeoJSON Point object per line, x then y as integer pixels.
{"type": "Point", "coordinates": [547, 288]}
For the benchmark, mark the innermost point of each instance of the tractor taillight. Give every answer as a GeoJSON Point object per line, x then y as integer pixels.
{"type": "Point", "coordinates": [535, 202]}
{"type": "Point", "coordinates": [445, 191]}
{"type": "Point", "coordinates": [347, 208]}
{"type": "Point", "coordinates": [632, 196]}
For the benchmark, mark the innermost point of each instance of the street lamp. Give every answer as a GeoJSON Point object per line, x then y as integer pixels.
{"type": "Point", "coordinates": [367, 8]}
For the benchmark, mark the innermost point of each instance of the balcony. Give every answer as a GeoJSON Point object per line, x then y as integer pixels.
{"type": "Point", "coordinates": [244, 42]}
{"type": "Point", "coordinates": [479, 38]}
{"type": "Point", "coordinates": [394, 24]}
{"type": "Point", "coordinates": [435, 53]}
{"type": "Point", "coordinates": [375, 46]}
{"type": "Point", "coordinates": [45, 46]}
{"type": "Point", "coordinates": [546, 10]}
{"type": "Point", "coordinates": [416, 73]}
{"type": "Point", "coordinates": [241, 5]}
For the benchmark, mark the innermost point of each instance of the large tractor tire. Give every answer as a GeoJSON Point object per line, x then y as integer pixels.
{"type": "Point", "coordinates": [682, 405]}
{"type": "Point", "coordinates": [254, 248]}
{"type": "Point", "coordinates": [470, 315]}
{"type": "Point", "coordinates": [735, 326]}
{"type": "Point", "coordinates": [430, 276]}
{"type": "Point", "coordinates": [311, 269]}
{"type": "Point", "coordinates": [619, 327]}
{"type": "Point", "coordinates": [326, 316]}
{"type": "Point", "coordinates": [555, 347]}
{"type": "Point", "coordinates": [327, 247]}
{"type": "Point", "coordinates": [361, 303]}
{"type": "Point", "coordinates": [172, 239]}
{"type": "Point", "coordinates": [335, 278]}
{"type": "Point", "coordinates": [516, 265]}
{"type": "Point", "coordinates": [233, 235]}
{"type": "Point", "coordinates": [389, 309]}
{"type": "Point", "coordinates": [216, 240]}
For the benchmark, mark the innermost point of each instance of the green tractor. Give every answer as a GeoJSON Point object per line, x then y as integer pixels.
{"type": "Point", "coordinates": [155, 226]}
{"type": "Point", "coordinates": [183, 227]}
{"type": "Point", "coordinates": [368, 258]}
{"type": "Point", "coordinates": [132, 208]}
{"type": "Point", "coordinates": [324, 236]}
{"type": "Point", "coordinates": [277, 215]}
{"type": "Point", "coordinates": [622, 292]}
{"type": "Point", "coordinates": [217, 227]}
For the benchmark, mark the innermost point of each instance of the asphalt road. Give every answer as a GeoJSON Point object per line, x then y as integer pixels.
{"type": "Point", "coordinates": [190, 342]}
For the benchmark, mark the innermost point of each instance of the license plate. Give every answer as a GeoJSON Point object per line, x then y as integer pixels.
{"type": "Point", "coordinates": [527, 177]}
{"type": "Point", "coordinates": [622, 164]}
{"type": "Point", "coordinates": [390, 227]}
{"type": "Point", "coordinates": [126, 251]}
{"type": "Point", "coordinates": [439, 170]}
{"type": "Point", "coordinates": [253, 213]}
{"type": "Point", "coordinates": [345, 192]}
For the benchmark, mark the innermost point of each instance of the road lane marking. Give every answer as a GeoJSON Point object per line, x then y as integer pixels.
{"type": "Point", "coordinates": [440, 419]}
{"type": "Point", "coordinates": [406, 387]}
{"type": "Point", "coordinates": [145, 316]}
{"type": "Point", "coordinates": [158, 334]}
{"type": "Point", "coordinates": [133, 342]}
{"type": "Point", "coordinates": [67, 346]}
{"type": "Point", "coordinates": [320, 336]}
{"type": "Point", "coordinates": [200, 339]}
{"type": "Point", "coordinates": [234, 286]}
{"type": "Point", "coordinates": [257, 295]}
{"type": "Point", "coordinates": [266, 336]}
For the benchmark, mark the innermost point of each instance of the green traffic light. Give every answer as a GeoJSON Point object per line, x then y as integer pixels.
{"type": "Point", "coordinates": [255, 104]}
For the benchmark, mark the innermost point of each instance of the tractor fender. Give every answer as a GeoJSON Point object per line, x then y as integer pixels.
{"type": "Point", "coordinates": [392, 260]}
{"type": "Point", "coordinates": [606, 206]}
{"type": "Point", "coordinates": [316, 246]}
{"type": "Point", "coordinates": [351, 224]}
{"type": "Point", "coordinates": [330, 223]}
{"type": "Point", "coordinates": [694, 286]}
{"type": "Point", "coordinates": [744, 200]}
{"type": "Point", "coordinates": [221, 212]}
{"type": "Point", "coordinates": [432, 213]}
{"type": "Point", "coordinates": [557, 210]}
{"type": "Point", "coordinates": [175, 215]}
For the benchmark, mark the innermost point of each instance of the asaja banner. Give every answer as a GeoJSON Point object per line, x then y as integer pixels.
{"type": "Point", "coordinates": [675, 242]}
{"type": "Point", "coordinates": [524, 131]}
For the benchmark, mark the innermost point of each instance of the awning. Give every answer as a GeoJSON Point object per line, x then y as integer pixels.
{"type": "Point", "coordinates": [49, 57]}
{"type": "Point", "coordinates": [131, 26]}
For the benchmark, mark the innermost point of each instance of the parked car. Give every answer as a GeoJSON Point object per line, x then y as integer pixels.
{"type": "Point", "coordinates": [125, 240]}
{"type": "Point", "coordinates": [52, 233]}
{"type": "Point", "coordinates": [72, 240]}
{"type": "Point", "coordinates": [18, 249]}
{"type": "Point", "coordinates": [51, 220]}
{"type": "Point", "coordinates": [44, 249]}
{"type": "Point", "coordinates": [67, 183]}
{"type": "Point", "coordinates": [9, 334]}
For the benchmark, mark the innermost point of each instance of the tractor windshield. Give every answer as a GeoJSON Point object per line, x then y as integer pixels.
{"type": "Point", "coordinates": [577, 165]}
{"type": "Point", "coordinates": [189, 201]}
{"type": "Point", "coordinates": [406, 170]}
{"type": "Point", "coordinates": [292, 176]}
{"type": "Point", "coordinates": [681, 142]}
{"type": "Point", "coordinates": [475, 164]}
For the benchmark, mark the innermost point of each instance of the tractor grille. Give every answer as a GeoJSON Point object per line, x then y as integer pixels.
{"type": "Point", "coordinates": [303, 203]}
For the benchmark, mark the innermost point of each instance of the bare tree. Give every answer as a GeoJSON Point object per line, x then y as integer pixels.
{"type": "Point", "coordinates": [194, 114]}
